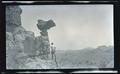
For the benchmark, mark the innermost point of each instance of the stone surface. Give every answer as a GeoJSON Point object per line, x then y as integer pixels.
{"type": "Point", "coordinates": [18, 40]}
{"type": "Point", "coordinates": [38, 44]}
{"type": "Point", "coordinates": [13, 15]}
{"type": "Point", "coordinates": [11, 52]}
{"type": "Point", "coordinates": [29, 43]}
{"type": "Point", "coordinates": [43, 45]}
{"type": "Point", "coordinates": [14, 36]}
{"type": "Point", "coordinates": [45, 25]}
{"type": "Point", "coordinates": [22, 44]}
{"type": "Point", "coordinates": [13, 18]}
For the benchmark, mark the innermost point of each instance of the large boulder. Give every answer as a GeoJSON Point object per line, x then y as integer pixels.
{"type": "Point", "coordinates": [13, 17]}
{"type": "Point", "coordinates": [45, 25]}
{"type": "Point", "coordinates": [18, 40]}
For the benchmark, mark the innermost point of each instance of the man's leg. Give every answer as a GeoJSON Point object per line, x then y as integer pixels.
{"type": "Point", "coordinates": [52, 56]}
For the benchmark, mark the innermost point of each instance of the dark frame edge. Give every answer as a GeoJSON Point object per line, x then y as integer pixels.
{"type": "Point", "coordinates": [116, 37]}
{"type": "Point", "coordinates": [3, 39]}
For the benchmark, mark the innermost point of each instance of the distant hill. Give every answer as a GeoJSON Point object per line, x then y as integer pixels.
{"type": "Point", "coordinates": [98, 57]}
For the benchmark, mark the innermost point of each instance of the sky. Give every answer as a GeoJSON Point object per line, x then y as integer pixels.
{"type": "Point", "coordinates": [77, 26]}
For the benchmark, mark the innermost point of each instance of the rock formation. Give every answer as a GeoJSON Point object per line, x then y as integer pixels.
{"type": "Point", "coordinates": [45, 25]}
{"type": "Point", "coordinates": [29, 46]}
{"type": "Point", "coordinates": [13, 18]}
{"type": "Point", "coordinates": [17, 38]}
{"type": "Point", "coordinates": [42, 41]}
{"type": "Point", "coordinates": [11, 51]}
{"type": "Point", "coordinates": [22, 44]}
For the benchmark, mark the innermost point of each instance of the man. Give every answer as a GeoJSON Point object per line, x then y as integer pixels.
{"type": "Point", "coordinates": [53, 50]}
{"type": "Point", "coordinates": [53, 53]}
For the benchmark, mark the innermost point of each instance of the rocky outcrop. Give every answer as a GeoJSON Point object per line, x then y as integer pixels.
{"type": "Point", "coordinates": [13, 17]}
{"type": "Point", "coordinates": [43, 45]}
{"type": "Point", "coordinates": [11, 52]}
{"type": "Point", "coordinates": [18, 40]}
{"type": "Point", "coordinates": [13, 43]}
{"type": "Point", "coordinates": [22, 44]}
{"type": "Point", "coordinates": [29, 44]}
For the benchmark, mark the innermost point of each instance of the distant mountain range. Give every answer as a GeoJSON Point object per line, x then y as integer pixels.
{"type": "Point", "coordinates": [100, 57]}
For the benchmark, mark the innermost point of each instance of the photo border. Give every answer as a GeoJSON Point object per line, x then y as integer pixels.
{"type": "Point", "coordinates": [116, 24]}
